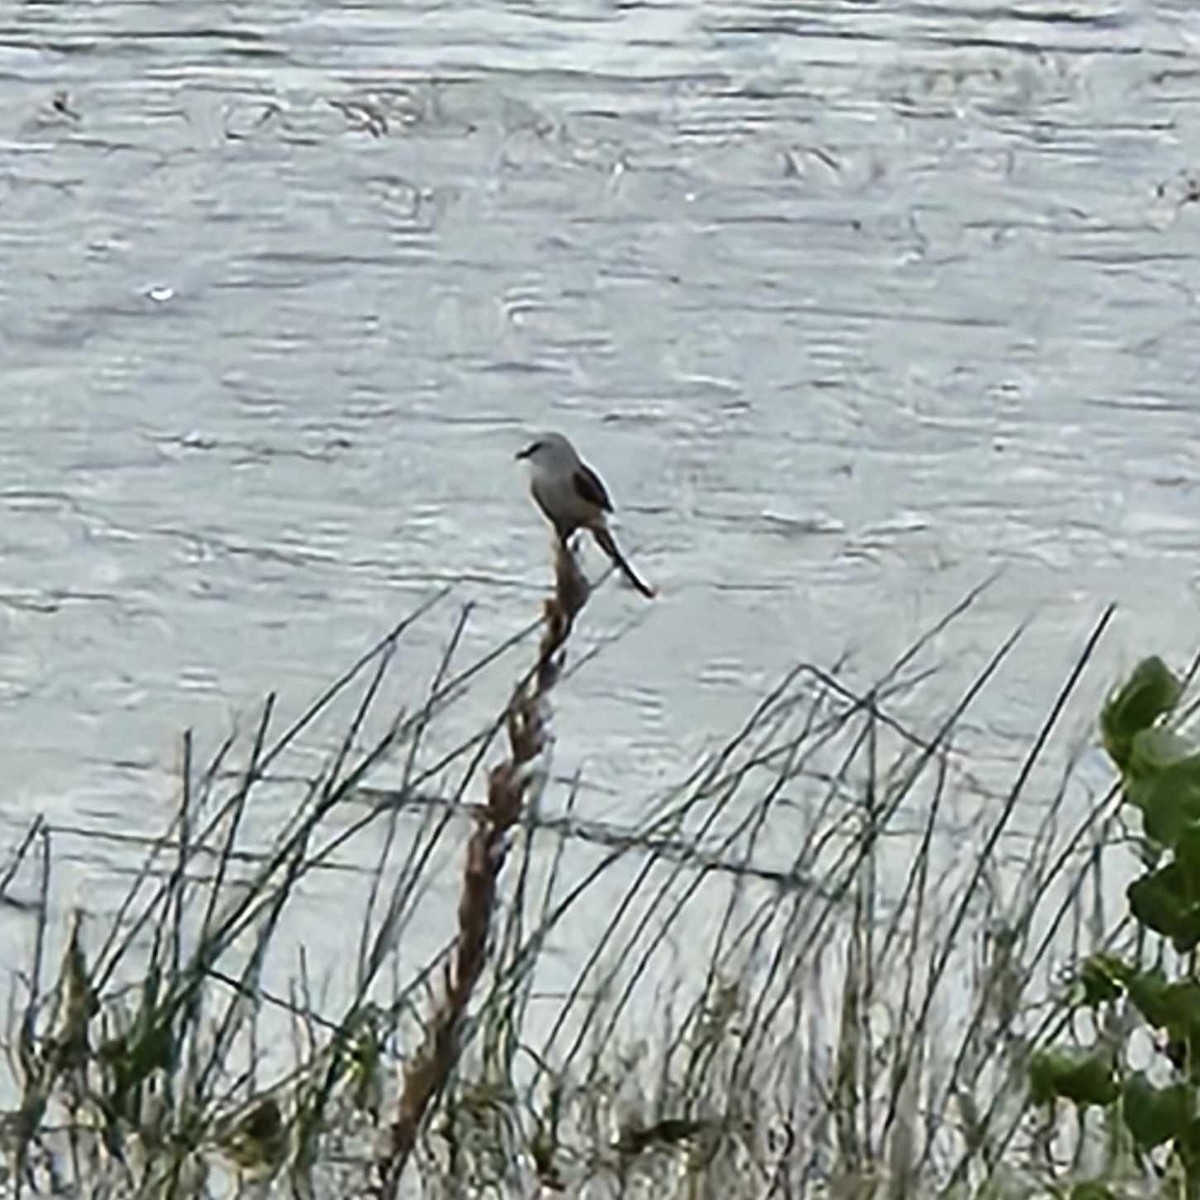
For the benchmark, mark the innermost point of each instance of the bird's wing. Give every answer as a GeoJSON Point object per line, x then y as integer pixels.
{"type": "Point", "coordinates": [589, 486]}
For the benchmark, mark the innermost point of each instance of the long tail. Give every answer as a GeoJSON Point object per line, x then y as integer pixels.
{"type": "Point", "coordinates": [607, 543]}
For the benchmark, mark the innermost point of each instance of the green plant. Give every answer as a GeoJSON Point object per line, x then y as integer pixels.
{"type": "Point", "coordinates": [1155, 988]}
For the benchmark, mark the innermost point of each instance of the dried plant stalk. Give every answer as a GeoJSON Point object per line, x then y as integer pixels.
{"type": "Point", "coordinates": [429, 1068]}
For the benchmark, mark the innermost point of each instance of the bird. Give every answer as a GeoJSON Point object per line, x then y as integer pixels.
{"type": "Point", "coordinates": [572, 496]}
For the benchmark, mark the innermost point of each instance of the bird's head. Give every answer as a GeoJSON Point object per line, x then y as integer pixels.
{"type": "Point", "coordinates": [548, 449]}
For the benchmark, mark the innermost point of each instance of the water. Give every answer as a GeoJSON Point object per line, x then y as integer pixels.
{"type": "Point", "coordinates": [850, 304]}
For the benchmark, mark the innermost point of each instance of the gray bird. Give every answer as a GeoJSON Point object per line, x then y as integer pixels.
{"type": "Point", "coordinates": [572, 496]}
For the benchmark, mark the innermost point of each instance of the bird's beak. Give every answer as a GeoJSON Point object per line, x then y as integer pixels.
{"type": "Point", "coordinates": [523, 453]}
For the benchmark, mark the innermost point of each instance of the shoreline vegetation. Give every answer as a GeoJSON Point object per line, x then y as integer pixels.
{"type": "Point", "coordinates": [896, 995]}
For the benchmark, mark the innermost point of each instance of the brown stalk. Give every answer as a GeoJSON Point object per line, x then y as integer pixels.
{"type": "Point", "coordinates": [429, 1068]}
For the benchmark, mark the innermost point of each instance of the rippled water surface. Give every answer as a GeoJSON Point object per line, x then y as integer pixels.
{"type": "Point", "coordinates": [851, 304]}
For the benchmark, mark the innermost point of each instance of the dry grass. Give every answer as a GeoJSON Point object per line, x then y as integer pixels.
{"type": "Point", "coordinates": [429, 1069]}
{"type": "Point", "coordinates": [816, 968]}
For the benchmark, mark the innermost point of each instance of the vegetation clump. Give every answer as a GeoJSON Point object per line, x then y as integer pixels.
{"type": "Point", "coordinates": [1142, 1066]}
{"type": "Point", "coordinates": [836, 960]}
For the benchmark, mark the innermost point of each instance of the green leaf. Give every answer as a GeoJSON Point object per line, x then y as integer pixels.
{"type": "Point", "coordinates": [1156, 1115]}
{"type": "Point", "coordinates": [1187, 855]}
{"type": "Point", "coordinates": [1073, 1075]}
{"type": "Point", "coordinates": [1183, 1004]}
{"type": "Point", "coordinates": [1102, 978]}
{"type": "Point", "coordinates": [1149, 692]}
{"type": "Point", "coordinates": [1161, 902]}
{"type": "Point", "coordinates": [1168, 799]}
{"type": "Point", "coordinates": [1148, 991]}
{"type": "Point", "coordinates": [1188, 1142]}
{"type": "Point", "coordinates": [1157, 899]}
{"type": "Point", "coordinates": [1042, 1075]}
